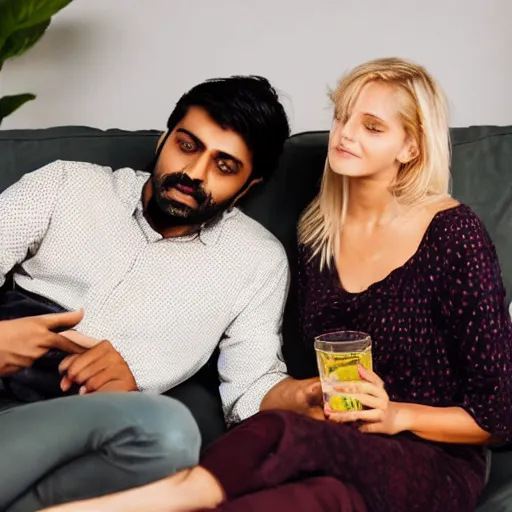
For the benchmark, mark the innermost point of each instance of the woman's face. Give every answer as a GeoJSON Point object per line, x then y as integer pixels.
{"type": "Point", "coordinates": [372, 141]}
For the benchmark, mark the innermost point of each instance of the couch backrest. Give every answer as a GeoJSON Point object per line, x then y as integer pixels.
{"type": "Point", "coordinates": [481, 168]}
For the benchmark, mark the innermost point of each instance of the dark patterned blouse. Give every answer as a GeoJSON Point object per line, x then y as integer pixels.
{"type": "Point", "coordinates": [441, 332]}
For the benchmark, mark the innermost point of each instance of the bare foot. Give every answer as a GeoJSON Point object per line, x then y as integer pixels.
{"type": "Point", "coordinates": [186, 491]}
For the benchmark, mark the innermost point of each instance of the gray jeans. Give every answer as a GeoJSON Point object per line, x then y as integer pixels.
{"type": "Point", "coordinates": [78, 447]}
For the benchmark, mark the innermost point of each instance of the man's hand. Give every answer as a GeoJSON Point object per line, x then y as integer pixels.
{"type": "Point", "coordinates": [309, 393]}
{"type": "Point", "coordinates": [24, 340]}
{"type": "Point", "coordinates": [100, 369]}
{"type": "Point", "coordinates": [302, 396]}
{"type": "Point", "coordinates": [80, 339]}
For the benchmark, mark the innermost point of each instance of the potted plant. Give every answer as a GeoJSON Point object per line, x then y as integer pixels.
{"type": "Point", "coordinates": [22, 24]}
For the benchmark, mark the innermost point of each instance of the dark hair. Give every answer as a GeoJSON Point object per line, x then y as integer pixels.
{"type": "Point", "coordinates": [249, 106]}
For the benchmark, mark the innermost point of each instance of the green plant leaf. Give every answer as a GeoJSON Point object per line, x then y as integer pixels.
{"type": "Point", "coordinates": [20, 14]}
{"type": "Point", "coordinates": [21, 40]}
{"type": "Point", "coordinates": [8, 104]}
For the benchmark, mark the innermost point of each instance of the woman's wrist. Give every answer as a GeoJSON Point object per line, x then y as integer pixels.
{"type": "Point", "coordinates": [405, 416]}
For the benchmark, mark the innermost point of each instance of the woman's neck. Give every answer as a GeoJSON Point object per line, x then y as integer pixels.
{"type": "Point", "coordinates": [370, 202]}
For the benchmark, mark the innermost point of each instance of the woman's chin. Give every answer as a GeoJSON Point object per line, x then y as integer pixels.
{"type": "Point", "coordinates": [345, 167]}
{"type": "Point", "coordinates": [346, 171]}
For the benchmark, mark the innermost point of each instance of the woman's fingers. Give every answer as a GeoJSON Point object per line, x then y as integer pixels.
{"type": "Point", "coordinates": [368, 401]}
{"type": "Point", "coordinates": [370, 376]}
{"type": "Point", "coordinates": [369, 415]}
{"type": "Point", "coordinates": [363, 388]}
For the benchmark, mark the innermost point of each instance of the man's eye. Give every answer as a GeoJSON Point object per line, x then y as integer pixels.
{"type": "Point", "coordinates": [225, 168]}
{"type": "Point", "coordinates": [186, 146]}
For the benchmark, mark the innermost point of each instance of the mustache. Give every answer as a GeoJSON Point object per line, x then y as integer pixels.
{"type": "Point", "coordinates": [180, 178]}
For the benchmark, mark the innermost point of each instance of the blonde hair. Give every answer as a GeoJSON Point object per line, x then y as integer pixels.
{"type": "Point", "coordinates": [425, 178]}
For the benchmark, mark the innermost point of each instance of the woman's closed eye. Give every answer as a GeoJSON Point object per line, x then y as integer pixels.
{"type": "Point", "coordinates": [374, 128]}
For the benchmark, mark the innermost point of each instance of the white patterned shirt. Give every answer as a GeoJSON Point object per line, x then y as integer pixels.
{"type": "Point", "coordinates": [76, 234]}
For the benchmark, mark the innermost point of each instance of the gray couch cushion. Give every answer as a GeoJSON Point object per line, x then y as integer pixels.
{"type": "Point", "coordinates": [22, 151]}
{"type": "Point", "coordinates": [498, 494]}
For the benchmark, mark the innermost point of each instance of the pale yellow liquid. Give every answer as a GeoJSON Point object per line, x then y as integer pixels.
{"type": "Point", "coordinates": [338, 367]}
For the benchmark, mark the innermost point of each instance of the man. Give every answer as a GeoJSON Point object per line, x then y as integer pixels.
{"type": "Point", "coordinates": [166, 269]}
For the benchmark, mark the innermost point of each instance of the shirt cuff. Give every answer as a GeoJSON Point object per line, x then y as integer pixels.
{"type": "Point", "coordinates": [250, 402]}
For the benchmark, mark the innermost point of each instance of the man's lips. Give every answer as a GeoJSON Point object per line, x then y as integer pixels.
{"type": "Point", "coordinates": [185, 190]}
{"type": "Point", "coordinates": [182, 194]}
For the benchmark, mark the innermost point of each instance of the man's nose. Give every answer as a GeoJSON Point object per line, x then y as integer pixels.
{"type": "Point", "coordinates": [198, 168]}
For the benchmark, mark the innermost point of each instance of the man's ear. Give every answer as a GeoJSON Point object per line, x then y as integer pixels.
{"type": "Point", "coordinates": [246, 189]}
{"type": "Point", "coordinates": [160, 141]}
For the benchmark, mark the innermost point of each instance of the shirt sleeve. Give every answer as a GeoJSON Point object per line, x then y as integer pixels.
{"type": "Point", "coordinates": [477, 314]}
{"type": "Point", "coordinates": [250, 360]}
{"type": "Point", "coordinates": [25, 212]}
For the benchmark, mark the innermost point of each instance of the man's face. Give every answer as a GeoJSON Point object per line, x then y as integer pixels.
{"type": "Point", "coordinates": [200, 171]}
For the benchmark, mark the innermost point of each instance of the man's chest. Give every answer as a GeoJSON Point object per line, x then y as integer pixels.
{"type": "Point", "coordinates": [129, 282]}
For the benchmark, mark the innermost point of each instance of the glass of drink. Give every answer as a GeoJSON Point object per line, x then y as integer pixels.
{"type": "Point", "coordinates": [338, 354]}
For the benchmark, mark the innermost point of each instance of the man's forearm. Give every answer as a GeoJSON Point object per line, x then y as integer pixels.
{"type": "Point", "coordinates": [444, 424]}
{"type": "Point", "coordinates": [281, 396]}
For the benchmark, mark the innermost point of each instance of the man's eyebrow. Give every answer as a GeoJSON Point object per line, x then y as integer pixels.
{"type": "Point", "coordinates": [195, 138]}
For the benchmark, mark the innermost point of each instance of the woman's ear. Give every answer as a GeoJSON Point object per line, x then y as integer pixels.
{"type": "Point", "coordinates": [409, 152]}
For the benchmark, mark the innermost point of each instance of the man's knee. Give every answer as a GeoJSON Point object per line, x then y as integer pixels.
{"type": "Point", "coordinates": [163, 427]}
{"type": "Point", "coordinates": [175, 429]}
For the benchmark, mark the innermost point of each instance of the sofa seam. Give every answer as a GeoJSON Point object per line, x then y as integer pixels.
{"type": "Point", "coordinates": [92, 136]}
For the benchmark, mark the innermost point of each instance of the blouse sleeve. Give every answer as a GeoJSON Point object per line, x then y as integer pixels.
{"type": "Point", "coordinates": [476, 311]}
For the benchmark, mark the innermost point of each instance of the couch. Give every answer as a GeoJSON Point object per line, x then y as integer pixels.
{"type": "Point", "coordinates": [482, 178]}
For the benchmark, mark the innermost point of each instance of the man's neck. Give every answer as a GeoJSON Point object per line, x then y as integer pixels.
{"type": "Point", "coordinates": [174, 232]}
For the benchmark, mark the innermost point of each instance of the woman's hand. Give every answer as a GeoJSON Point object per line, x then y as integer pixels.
{"type": "Point", "coordinates": [381, 416]}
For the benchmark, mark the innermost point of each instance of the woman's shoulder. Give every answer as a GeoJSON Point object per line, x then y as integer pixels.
{"type": "Point", "coordinates": [464, 249]}
{"type": "Point", "coordinates": [456, 225]}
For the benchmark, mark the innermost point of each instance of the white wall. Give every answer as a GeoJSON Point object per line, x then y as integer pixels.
{"type": "Point", "coordinates": [124, 63]}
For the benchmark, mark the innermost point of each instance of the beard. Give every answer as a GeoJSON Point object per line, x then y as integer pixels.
{"type": "Point", "coordinates": [166, 213]}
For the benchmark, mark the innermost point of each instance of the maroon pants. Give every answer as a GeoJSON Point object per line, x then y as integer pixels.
{"type": "Point", "coordinates": [317, 494]}
{"type": "Point", "coordinates": [282, 461]}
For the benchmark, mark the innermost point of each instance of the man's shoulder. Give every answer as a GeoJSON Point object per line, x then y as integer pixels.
{"type": "Point", "coordinates": [76, 169]}
{"type": "Point", "coordinates": [79, 166]}
{"type": "Point", "coordinates": [253, 236]}
{"type": "Point", "coordinates": [97, 177]}
{"type": "Point", "coordinates": [69, 171]}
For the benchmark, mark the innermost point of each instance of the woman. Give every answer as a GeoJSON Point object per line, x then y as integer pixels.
{"type": "Point", "coordinates": [384, 249]}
